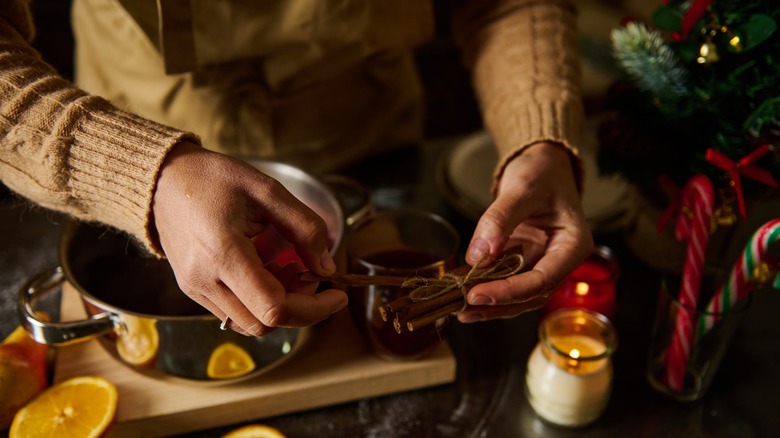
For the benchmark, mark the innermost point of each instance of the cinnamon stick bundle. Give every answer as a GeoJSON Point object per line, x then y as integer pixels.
{"type": "Point", "coordinates": [430, 298]}
{"type": "Point", "coordinates": [433, 298]}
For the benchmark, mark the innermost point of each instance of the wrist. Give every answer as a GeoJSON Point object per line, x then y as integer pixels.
{"type": "Point", "coordinates": [559, 154]}
{"type": "Point", "coordinates": [171, 174]}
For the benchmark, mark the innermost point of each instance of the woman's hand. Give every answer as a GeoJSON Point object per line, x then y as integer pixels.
{"type": "Point", "coordinates": [208, 209]}
{"type": "Point", "coordinates": [537, 206]}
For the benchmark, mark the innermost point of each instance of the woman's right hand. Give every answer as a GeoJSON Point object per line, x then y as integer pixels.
{"type": "Point", "coordinates": [207, 209]}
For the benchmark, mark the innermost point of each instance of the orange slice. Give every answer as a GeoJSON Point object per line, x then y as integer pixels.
{"type": "Point", "coordinates": [23, 373]}
{"type": "Point", "coordinates": [229, 360]}
{"type": "Point", "coordinates": [254, 431]}
{"type": "Point", "coordinates": [82, 407]}
{"type": "Point", "coordinates": [138, 344]}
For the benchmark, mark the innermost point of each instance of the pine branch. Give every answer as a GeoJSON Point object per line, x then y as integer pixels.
{"type": "Point", "coordinates": [644, 55]}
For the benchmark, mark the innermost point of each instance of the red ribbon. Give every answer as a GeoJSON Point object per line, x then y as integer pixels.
{"type": "Point", "coordinates": [674, 193]}
{"type": "Point", "coordinates": [745, 167]}
{"type": "Point", "coordinates": [692, 15]}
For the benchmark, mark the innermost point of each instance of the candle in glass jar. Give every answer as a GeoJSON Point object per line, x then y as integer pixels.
{"type": "Point", "coordinates": [569, 374]}
{"type": "Point", "coordinates": [592, 286]}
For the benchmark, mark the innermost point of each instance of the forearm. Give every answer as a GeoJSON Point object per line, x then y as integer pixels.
{"type": "Point", "coordinates": [71, 152]}
{"type": "Point", "coordinates": [523, 58]}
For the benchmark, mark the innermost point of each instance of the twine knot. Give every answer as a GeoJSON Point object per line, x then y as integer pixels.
{"type": "Point", "coordinates": [430, 288]}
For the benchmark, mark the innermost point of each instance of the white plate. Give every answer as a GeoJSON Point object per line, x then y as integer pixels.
{"type": "Point", "coordinates": [465, 173]}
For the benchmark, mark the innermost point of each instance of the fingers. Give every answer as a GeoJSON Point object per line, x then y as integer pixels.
{"type": "Point", "coordinates": [298, 309]}
{"type": "Point", "coordinates": [258, 300]}
{"type": "Point", "coordinates": [538, 207]}
{"type": "Point", "coordinates": [484, 313]}
{"type": "Point", "coordinates": [266, 302]}
{"type": "Point", "coordinates": [531, 187]}
{"type": "Point", "coordinates": [551, 254]}
{"type": "Point", "coordinates": [207, 210]}
{"type": "Point", "coordinates": [494, 228]}
{"type": "Point", "coordinates": [217, 311]}
{"type": "Point", "coordinates": [299, 225]}
{"type": "Point", "coordinates": [509, 297]}
{"type": "Point", "coordinates": [531, 289]}
{"type": "Point", "coordinates": [288, 276]}
{"type": "Point", "coordinates": [305, 310]}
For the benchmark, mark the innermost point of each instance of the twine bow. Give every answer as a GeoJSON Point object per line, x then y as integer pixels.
{"type": "Point", "coordinates": [430, 288]}
{"type": "Point", "coordinates": [745, 167]}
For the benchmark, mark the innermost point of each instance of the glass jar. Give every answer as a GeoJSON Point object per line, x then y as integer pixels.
{"type": "Point", "coordinates": [569, 373]}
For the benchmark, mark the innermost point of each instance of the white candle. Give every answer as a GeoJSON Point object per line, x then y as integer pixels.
{"type": "Point", "coordinates": [569, 375]}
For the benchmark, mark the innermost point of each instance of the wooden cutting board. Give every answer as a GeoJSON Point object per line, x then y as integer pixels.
{"type": "Point", "coordinates": [335, 366]}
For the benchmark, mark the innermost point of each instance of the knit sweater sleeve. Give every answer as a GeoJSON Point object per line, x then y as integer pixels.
{"type": "Point", "coordinates": [523, 59]}
{"type": "Point", "coordinates": [71, 152]}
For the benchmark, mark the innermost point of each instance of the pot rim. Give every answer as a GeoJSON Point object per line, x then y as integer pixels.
{"type": "Point", "coordinates": [65, 264]}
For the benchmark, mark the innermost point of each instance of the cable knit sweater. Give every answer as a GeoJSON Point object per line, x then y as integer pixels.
{"type": "Point", "coordinates": [79, 154]}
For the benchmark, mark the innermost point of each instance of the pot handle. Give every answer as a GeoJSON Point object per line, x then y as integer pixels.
{"type": "Point", "coordinates": [355, 197]}
{"type": "Point", "coordinates": [58, 333]}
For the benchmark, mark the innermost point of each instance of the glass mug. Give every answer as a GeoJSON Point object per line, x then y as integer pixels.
{"type": "Point", "coordinates": [405, 243]}
{"type": "Point", "coordinates": [707, 347]}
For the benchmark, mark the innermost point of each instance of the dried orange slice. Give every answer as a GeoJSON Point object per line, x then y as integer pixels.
{"type": "Point", "coordinates": [229, 360]}
{"type": "Point", "coordinates": [138, 344]}
{"type": "Point", "coordinates": [81, 407]}
{"type": "Point", "coordinates": [254, 431]}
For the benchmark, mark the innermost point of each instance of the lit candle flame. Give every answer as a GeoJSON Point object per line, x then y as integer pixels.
{"type": "Point", "coordinates": [581, 289]}
{"type": "Point", "coordinates": [574, 354]}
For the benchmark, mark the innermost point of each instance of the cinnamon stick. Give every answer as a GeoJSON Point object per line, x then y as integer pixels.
{"type": "Point", "coordinates": [422, 313]}
{"type": "Point", "coordinates": [399, 327]}
{"type": "Point", "coordinates": [399, 303]}
{"type": "Point", "coordinates": [354, 279]}
{"type": "Point", "coordinates": [432, 317]}
{"type": "Point", "coordinates": [435, 298]}
{"type": "Point", "coordinates": [416, 308]}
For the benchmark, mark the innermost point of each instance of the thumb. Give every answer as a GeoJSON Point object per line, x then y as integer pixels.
{"type": "Point", "coordinates": [493, 230]}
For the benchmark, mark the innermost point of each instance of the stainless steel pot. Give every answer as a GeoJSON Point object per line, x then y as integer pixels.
{"type": "Point", "coordinates": [140, 315]}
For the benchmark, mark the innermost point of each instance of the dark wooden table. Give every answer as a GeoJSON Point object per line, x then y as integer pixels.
{"type": "Point", "coordinates": [487, 399]}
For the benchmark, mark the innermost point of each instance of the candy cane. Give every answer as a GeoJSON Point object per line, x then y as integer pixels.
{"type": "Point", "coordinates": [693, 223]}
{"type": "Point", "coordinates": [742, 278]}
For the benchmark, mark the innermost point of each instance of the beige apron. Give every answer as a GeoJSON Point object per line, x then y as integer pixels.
{"type": "Point", "coordinates": [316, 83]}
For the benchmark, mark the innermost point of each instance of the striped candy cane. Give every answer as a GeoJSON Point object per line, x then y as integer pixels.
{"type": "Point", "coordinates": [743, 275]}
{"type": "Point", "coordinates": [693, 224]}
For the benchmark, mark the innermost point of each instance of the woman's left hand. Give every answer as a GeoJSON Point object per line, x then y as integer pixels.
{"type": "Point", "coordinates": [537, 206]}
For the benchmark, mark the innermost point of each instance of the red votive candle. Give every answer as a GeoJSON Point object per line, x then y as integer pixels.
{"type": "Point", "coordinates": [592, 286]}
